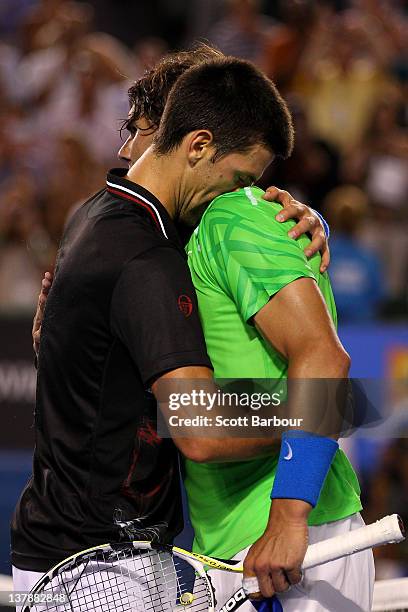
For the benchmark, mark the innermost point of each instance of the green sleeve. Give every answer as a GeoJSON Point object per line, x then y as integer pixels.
{"type": "Point", "coordinates": [248, 253]}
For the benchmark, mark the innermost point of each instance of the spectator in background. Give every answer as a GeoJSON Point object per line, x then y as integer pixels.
{"type": "Point", "coordinates": [243, 31]}
{"type": "Point", "coordinates": [9, 159]}
{"type": "Point", "coordinates": [342, 75]}
{"type": "Point", "coordinates": [69, 79]}
{"type": "Point", "coordinates": [285, 46]}
{"type": "Point", "coordinates": [25, 248]}
{"type": "Point", "coordinates": [22, 148]}
{"type": "Point", "coordinates": [87, 95]}
{"type": "Point", "coordinates": [387, 493]}
{"type": "Point", "coordinates": [381, 160]}
{"type": "Point", "coordinates": [357, 280]}
{"type": "Point", "coordinates": [380, 165]}
{"type": "Point", "coordinates": [48, 38]}
{"type": "Point", "coordinates": [201, 15]}
{"type": "Point", "coordinates": [312, 170]}
{"type": "Point", "coordinates": [76, 176]}
{"type": "Point", "coordinates": [148, 51]}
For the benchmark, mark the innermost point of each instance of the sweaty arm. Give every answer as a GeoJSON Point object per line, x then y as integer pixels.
{"type": "Point", "coordinates": [296, 322]}
{"type": "Point", "coordinates": [207, 449]}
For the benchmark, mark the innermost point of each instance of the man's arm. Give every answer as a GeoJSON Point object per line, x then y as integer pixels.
{"type": "Point", "coordinates": [296, 322]}
{"type": "Point", "coordinates": [39, 315]}
{"type": "Point", "coordinates": [298, 325]}
{"type": "Point", "coordinates": [208, 449]}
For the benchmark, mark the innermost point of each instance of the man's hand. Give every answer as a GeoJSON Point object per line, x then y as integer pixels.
{"type": "Point", "coordinates": [308, 221]}
{"type": "Point", "coordinates": [276, 558]}
{"type": "Point", "coordinates": [38, 317]}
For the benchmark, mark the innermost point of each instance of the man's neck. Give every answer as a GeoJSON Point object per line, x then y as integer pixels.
{"type": "Point", "coordinates": [159, 176]}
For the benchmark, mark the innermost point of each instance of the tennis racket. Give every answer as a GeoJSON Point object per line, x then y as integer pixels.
{"type": "Point", "coordinates": [146, 577]}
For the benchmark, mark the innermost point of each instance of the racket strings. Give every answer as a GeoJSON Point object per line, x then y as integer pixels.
{"type": "Point", "coordinates": [126, 580]}
{"type": "Point", "coordinates": [90, 586]}
{"type": "Point", "coordinates": [191, 584]}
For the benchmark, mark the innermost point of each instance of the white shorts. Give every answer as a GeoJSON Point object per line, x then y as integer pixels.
{"type": "Point", "coordinates": [345, 585]}
{"type": "Point", "coordinates": [23, 580]}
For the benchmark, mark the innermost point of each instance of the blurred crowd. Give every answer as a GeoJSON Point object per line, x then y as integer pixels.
{"type": "Point", "coordinates": [63, 96]}
{"type": "Point", "coordinates": [341, 65]}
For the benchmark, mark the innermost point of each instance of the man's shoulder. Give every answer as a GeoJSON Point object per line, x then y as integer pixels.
{"type": "Point", "coordinates": [117, 234]}
{"type": "Point", "coordinates": [242, 210]}
{"type": "Point", "coordinates": [118, 224]}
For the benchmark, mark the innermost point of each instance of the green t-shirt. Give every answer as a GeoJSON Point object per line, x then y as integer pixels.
{"type": "Point", "coordinates": [239, 257]}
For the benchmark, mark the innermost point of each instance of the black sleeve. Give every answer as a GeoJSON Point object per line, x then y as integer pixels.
{"type": "Point", "coordinates": [154, 312]}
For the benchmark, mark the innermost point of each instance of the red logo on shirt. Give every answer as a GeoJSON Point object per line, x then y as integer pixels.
{"type": "Point", "coordinates": [185, 304]}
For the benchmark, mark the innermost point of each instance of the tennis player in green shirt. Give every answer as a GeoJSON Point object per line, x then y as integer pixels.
{"type": "Point", "coordinates": [252, 282]}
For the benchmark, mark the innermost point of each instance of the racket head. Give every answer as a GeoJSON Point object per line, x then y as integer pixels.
{"type": "Point", "coordinates": [133, 576]}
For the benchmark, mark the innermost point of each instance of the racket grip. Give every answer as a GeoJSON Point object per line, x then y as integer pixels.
{"type": "Point", "coordinates": [388, 530]}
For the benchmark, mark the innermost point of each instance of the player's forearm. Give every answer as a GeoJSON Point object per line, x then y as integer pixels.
{"type": "Point", "coordinates": [287, 510]}
{"type": "Point", "coordinates": [318, 388]}
{"type": "Point", "coordinates": [326, 360]}
{"type": "Point", "coordinates": [317, 392]}
{"type": "Point", "coordinates": [190, 393]}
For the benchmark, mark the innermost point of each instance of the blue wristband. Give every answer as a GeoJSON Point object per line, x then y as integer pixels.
{"type": "Point", "coordinates": [325, 224]}
{"type": "Point", "coordinates": [304, 461]}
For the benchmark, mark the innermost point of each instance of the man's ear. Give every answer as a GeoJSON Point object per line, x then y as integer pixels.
{"type": "Point", "coordinates": [199, 146]}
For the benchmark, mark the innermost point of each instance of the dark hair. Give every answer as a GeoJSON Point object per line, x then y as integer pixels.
{"type": "Point", "coordinates": [232, 99]}
{"type": "Point", "coordinates": [148, 96]}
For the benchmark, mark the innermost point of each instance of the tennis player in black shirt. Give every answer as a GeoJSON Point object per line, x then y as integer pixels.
{"type": "Point", "coordinates": [115, 321]}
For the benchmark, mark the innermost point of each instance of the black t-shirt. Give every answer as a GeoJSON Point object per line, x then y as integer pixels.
{"type": "Point", "coordinates": [115, 320]}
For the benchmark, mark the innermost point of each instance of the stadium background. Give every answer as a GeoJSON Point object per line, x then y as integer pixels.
{"type": "Point", "coordinates": [64, 71]}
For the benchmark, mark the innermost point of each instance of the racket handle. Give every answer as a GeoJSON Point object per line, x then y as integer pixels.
{"type": "Point", "coordinates": [388, 530]}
